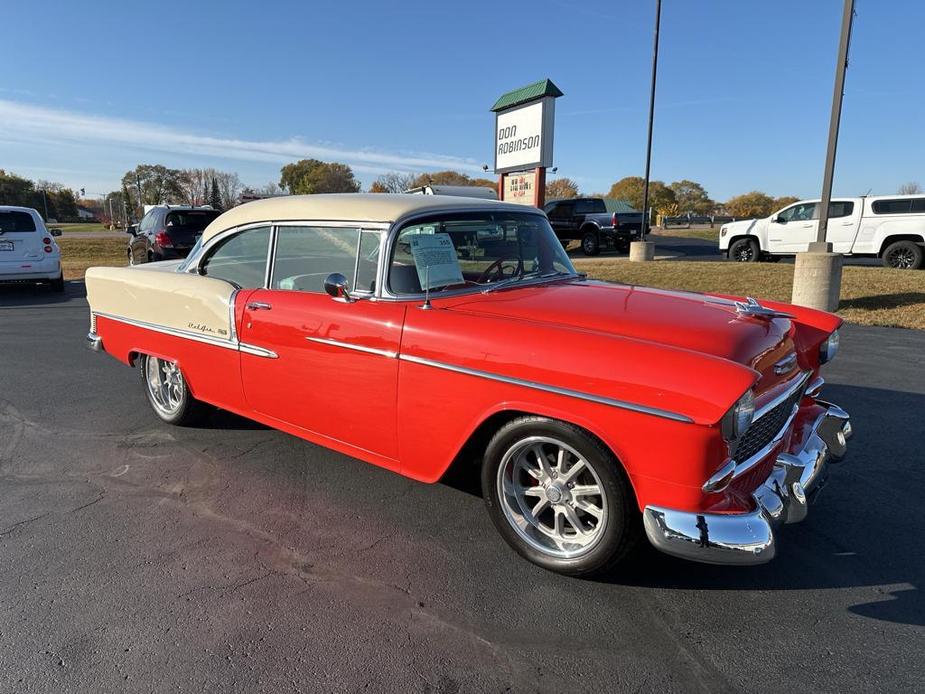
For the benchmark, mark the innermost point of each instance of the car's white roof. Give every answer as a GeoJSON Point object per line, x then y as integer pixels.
{"type": "Point", "coordinates": [17, 208]}
{"type": "Point", "coordinates": [347, 207]}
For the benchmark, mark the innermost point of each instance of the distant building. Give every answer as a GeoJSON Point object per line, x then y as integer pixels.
{"type": "Point", "coordinates": [86, 215]}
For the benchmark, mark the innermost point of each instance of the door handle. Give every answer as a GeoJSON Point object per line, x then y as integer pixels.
{"type": "Point", "coordinates": [259, 306]}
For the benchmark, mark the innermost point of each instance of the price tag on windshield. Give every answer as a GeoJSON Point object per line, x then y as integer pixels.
{"type": "Point", "coordinates": [435, 260]}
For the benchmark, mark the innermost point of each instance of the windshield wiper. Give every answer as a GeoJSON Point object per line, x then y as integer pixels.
{"type": "Point", "coordinates": [520, 277]}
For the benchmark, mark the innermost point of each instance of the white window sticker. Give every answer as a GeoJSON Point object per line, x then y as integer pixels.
{"type": "Point", "coordinates": [435, 260]}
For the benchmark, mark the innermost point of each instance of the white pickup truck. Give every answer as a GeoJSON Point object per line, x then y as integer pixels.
{"type": "Point", "coordinates": [890, 227]}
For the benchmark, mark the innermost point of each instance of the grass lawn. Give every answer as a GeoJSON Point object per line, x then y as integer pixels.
{"type": "Point", "coordinates": [78, 254]}
{"type": "Point", "coordinates": [80, 227]}
{"type": "Point", "coordinates": [870, 295]}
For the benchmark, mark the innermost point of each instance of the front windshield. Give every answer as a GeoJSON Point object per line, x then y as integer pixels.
{"type": "Point", "coordinates": [475, 249]}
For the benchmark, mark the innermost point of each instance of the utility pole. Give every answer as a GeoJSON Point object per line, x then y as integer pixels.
{"type": "Point", "coordinates": [45, 204]}
{"type": "Point", "coordinates": [817, 272]}
{"type": "Point", "coordinates": [642, 249]}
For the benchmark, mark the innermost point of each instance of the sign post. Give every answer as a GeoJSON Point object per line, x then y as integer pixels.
{"type": "Point", "coordinates": [524, 124]}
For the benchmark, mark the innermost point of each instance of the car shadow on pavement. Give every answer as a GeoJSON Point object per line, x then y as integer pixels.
{"type": "Point", "coordinates": [865, 529]}
{"type": "Point", "coordinates": [30, 295]}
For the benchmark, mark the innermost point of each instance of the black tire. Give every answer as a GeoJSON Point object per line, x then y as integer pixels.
{"type": "Point", "coordinates": [187, 411]}
{"type": "Point", "coordinates": [745, 251]}
{"type": "Point", "coordinates": [620, 527]}
{"type": "Point", "coordinates": [591, 243]}
{"type": "Point", "coordinates": [903, 255]}
{"type": "Point", "coordinates": [57, 285]}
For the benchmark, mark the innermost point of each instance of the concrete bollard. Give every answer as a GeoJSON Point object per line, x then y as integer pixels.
{"type": "Point", "coordinates": [817, 279]}
{"type": "Point", "coordinates": [642, 250]}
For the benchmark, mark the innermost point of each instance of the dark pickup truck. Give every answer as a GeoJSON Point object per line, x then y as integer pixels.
{"type": "Point", "coordinates": [594, 222]}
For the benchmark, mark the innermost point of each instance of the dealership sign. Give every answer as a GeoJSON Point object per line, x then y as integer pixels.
{"type": "Point", "coordinates": [524, 122]}
{"type": "Point", "coordinates": [520, 188]}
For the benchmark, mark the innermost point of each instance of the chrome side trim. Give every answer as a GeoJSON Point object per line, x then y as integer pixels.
{"type": "Point", "coordinates": [358, 348]}
{"type": "Point", "coordinates": [196, 337]}
{"type": "Point", "coordinates": [813, 389]}
{"type": "Point", "coordinates": [644, 409]}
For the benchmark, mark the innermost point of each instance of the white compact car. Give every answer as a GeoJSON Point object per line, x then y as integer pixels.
{"type": "Point", "coordinates": [889, 227]}
{"type": "Point", "coordinates": [28, 252]}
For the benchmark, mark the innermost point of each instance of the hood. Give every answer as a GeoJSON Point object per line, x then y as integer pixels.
{"type": "Point", "coordinates": [697, 322]}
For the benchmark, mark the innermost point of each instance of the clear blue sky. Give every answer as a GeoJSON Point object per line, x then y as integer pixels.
{"type": "Point", "coordinates": [743, 103]}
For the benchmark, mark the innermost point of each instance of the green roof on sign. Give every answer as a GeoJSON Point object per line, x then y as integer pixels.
{"type": "Point", "coordinates": [531, 92]}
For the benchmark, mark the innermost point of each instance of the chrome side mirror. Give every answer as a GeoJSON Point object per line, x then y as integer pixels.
{"type": "Point", "coordinates": [337, 286]}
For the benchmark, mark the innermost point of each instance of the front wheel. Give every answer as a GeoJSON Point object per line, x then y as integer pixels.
{"type": "Point", "coordinates": [744, 251]}
{"type": "Point", "coordinates": [591, 243]}
{"type": "Point", "coordinates": [168, 393]}
{"type": "Point", "coordinates": [903, 255]}
{"type": "Point", "coordinates": [559, 497]}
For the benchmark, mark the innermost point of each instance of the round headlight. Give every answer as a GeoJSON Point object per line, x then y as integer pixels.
{"type": "Point", "coordinates": [743, 413]}
{"type": "Point", "coordinates": [739, 418]}
{"type": "Point", "coordinates": [829, 348]}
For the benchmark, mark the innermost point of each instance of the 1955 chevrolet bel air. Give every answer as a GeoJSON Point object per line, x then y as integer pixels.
{"type": "Point", "coordinates": [420, 332]}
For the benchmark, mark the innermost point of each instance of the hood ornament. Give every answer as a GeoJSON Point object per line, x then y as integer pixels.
{"type": "Point", "coordinates": [750, 308]}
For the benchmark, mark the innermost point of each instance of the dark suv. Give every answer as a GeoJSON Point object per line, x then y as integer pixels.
{"type": "Point", "coordinates": [167, 232]}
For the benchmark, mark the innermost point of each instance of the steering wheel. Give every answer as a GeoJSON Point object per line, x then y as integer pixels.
{"type": "Point", "coordinates": [497, 269]}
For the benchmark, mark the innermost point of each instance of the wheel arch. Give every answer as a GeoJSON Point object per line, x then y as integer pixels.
{"type": "Point", "coordinates": [747, 237]}
{"type": "Point", "coordinates": [465, 464]}
{"type": "Point", "coordinates": [589, 226]}
{"type": "Point", "coordinates": [890, 239]}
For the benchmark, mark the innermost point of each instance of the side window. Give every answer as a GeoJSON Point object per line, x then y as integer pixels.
{"type": "Point", "coordinates": [563, 211]}
{"type": "Point", "coordinates": [803, 212]}
{"type": "Point", "coordinates": [550, 209]}
{"type": "Point", "coordinates": [306, 255]}
{"type": "Point", "coordinates": [147, 222]}
{"type": "Point", "coordinates": [368, 263]}
{"type": "Point", "coordinates": [589, 206]}
{"type": "Point", "coordinates": [240, 259]}
{"type": "Point", "coordinates": [900, 206]}
{"type": "Point", "coordinates": [840, 209]}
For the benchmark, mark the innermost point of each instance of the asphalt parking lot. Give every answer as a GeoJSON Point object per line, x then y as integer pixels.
{"type": "Point", "coordinates": [139, 557]}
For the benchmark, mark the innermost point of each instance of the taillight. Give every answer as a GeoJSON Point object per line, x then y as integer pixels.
{"type": "Point", "coordinates": [163, 240]}
{"type": "Point", "coordinates": [48, 249]}
{"type": "Point", "coordinates": [46, 241]}
{"type": "Point", "coordinates": [613, 221]}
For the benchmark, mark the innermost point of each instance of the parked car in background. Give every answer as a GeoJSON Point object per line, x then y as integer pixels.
{"type": "Point", "coordinates": [168, 232]}
{"type": "Point", "coordinates": [28, 251]}
{"type": "Point", "coordinates": [589, 221]}
{"type": "Point", "coordinates": [889, 227]}
{"type": "Point", "coordinates": [423, 332]}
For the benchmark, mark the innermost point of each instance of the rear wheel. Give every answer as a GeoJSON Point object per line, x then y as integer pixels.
{"type": "Point", "coordinates": [168, 393]}
{"type": "Point", "coordinates": [591, 243]}
{"type": "Point", "coordinates": [57, 285]}
{"type": "Point", "coordinates": [744, 251]}
{"type": "Point", "coordinates": [559, 497]}
{"type": "Point", "coordinates": [903, 255]}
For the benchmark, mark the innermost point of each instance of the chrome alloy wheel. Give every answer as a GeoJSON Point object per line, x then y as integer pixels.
{"type": "Point", "coordinates": [744, 254]}
{"type": "Point", "coordinates": [165, 385]}
{"type": "Point", "coordinates": [552, 497]}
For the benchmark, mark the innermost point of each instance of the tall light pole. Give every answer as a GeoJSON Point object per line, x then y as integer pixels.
{"type": "Point", "coordinates": [642, 249]}
{"type": "Point", "coordinates": [817, 272]}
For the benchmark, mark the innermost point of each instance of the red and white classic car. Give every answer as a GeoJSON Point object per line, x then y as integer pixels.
{"type": "Point", "coordinates": [420, 332]}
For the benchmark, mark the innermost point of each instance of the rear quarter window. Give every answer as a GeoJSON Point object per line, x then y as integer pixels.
{"type": "Point", "coordinates": [193, 220]}
{"type": "Point", "coordinates": [16, 221]}
{"type": "Point", "coordinates": [589, 206]}
{"type": "Point", "coordinates": [899, 206]}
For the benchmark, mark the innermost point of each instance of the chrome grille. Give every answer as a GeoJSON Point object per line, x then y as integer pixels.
{"type": "Point", "coordinates": [766, 427]}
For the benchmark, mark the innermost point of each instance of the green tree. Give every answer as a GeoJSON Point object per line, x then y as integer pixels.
{"type": "Point", "coordinates": [630, 189]}
{"type": "Point", "coordinates": [561, 188]}
{"type": "Point", "coordinates": [753, 204]}
{"type": "Point", "coordinates": [691, 197]}
{"type": "Point", "coordinates": [310, 176]}
{"type": "Point", "coordinates": [16, 190]}
{"type": "Point", "coordinates": [157, 185]}
{"type": "Point", "coordinates": [441, 178]}
{"type": "Point", "coordinates": [215, 198]}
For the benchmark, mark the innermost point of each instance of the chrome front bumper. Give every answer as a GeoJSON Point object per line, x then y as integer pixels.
{"type": "Point", "coordinates": [749, 538]}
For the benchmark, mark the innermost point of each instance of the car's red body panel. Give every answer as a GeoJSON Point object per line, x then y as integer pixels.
{"type": "Point", "coordinates": [393, 384]}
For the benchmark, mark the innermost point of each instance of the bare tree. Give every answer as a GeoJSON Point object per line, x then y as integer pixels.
{"type": "Point", "coordinates": [910, 188]}
{"type": "Point", "coordinates": [229, 188]}
{"type": "Point", "coordinates": [393, 182]}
